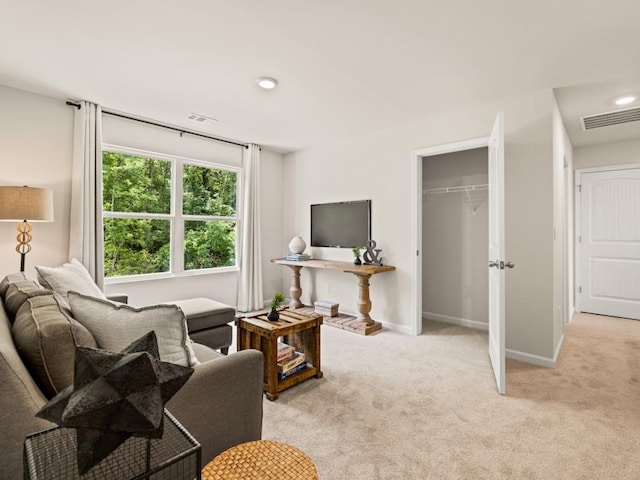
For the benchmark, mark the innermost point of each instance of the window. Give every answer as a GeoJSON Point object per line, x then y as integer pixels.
{"type": "Point", "coordinates": [165, 214]}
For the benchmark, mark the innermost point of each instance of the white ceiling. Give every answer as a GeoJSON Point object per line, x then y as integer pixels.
{"type": "Point", "coordinates": [345, 66]}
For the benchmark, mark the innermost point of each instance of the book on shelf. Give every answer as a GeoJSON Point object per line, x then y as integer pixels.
{"type": "Point", "coordinates": [298, 257]}
{"type": "Point", "coordinates": [290, 363]}
{"type": "Point", "coordinates": [284, 351]}
{"type": "Point", "coordinates": [293, 371]}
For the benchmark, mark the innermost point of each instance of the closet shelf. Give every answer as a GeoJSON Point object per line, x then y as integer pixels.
{"type": "Point", "coordinates": [461, 188]}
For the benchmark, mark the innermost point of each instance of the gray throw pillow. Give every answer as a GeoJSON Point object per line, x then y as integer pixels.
{"type": "Point", "coordinates": [47, 339]}
{"type": "Point", "coordinates": [69, 276]}
{"type": "Point", "coordinates": [114, 326]}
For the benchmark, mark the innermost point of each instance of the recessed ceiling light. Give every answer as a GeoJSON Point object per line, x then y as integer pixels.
{"type": "Point", "coordinates": [626, 100]}
{"type": "Point", "coordinates": [267, 82]}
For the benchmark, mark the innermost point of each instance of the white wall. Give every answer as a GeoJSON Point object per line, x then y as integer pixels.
{"type": "Point", "coordinates": [274, 244]}
{"type": "Point", "coordinates": [35, 150]}
{"type": "Point", "coordinates": [455, 239]}
{"type": "Point", "coordinates": [36, 135]}
{"type": "Point", "coordinates": [130, 133]}
{"type": "Point", "coordinates": [563, 226]}
{"type": "Point", "coordinates": [607, 154]}
{"type": "Point", "coordinates": [378, 166]}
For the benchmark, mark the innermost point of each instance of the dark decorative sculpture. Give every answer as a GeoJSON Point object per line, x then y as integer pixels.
{"type": "Point", "coordinates": [115, 396]}
{"type": "Point", "coordinates": [371, 255]}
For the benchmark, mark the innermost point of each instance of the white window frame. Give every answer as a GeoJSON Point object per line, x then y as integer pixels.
{"type": "Point", "coordinates": [176, 217]}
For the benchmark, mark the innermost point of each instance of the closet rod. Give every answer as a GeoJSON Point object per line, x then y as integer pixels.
{"type": "Point", "coordinates": [461, 188]}
{"type": "Point", "coordinates": [162, 125]}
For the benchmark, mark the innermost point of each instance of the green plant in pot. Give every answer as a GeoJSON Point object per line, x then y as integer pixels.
{"type": "Point", "coordinates": [356, 254]}
{"type": "Point", "coordinates": [276, 301]}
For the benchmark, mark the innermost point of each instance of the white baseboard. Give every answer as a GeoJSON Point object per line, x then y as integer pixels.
{"type": "Point", "coordinates": [530, 358]}
{"type": "Point", "coordinates": [403, 329]}
{"type": "Point", "coordinates": [558, 348]}
{"type": "Point", "coordinates": [513, 354]}
{"type": "Point", "coordinates": [464, 322]}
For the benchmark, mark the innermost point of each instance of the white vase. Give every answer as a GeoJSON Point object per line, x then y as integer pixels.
{"type": "Point", "coordinates": [297, 245]}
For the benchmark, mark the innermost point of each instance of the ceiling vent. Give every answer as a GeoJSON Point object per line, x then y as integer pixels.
{"type": "Point", "coordinates": [611, 118]}
{"type": "Point", "coordinates": [196, 117]}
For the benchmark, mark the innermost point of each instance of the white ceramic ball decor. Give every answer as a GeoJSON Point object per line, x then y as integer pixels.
{"type": "Point", "coordinates": [297, 245]}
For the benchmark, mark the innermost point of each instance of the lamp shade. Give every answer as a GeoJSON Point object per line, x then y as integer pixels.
{"type": "Point", "coordinates": [26, 203]}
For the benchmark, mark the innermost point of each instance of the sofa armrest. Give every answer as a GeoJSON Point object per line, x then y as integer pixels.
{"type": "Point", "coordinates": [221, 404]}
{"type": "Point", "coordinates": [118, 297]}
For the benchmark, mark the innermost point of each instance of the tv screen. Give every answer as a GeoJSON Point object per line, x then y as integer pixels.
{"type": "Point", "coordinates": [341, 225]}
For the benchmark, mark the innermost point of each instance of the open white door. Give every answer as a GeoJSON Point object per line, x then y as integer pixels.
{"type": "Point", "coordinates": [496, 253]}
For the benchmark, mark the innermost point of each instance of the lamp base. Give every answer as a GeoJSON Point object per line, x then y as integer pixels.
{"type": "Point", "coordinates": [24, 237]}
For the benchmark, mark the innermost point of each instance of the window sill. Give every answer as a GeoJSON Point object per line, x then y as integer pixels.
{"type": "Point", "coordinates": [164, 276]}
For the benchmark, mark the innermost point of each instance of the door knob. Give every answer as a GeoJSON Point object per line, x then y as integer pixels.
{"type": "Point", "coordinates": [500, 265]}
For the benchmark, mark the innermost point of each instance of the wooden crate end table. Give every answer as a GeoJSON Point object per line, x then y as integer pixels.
{"type": "Point", "coordinates": [300, 330]}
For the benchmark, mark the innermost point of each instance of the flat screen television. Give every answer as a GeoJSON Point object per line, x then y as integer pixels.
{"type": "Point", "coordinates": [341, 224]}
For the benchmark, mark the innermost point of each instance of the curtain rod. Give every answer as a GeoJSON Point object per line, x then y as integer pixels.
{"type": "Point", "coordinates": [161, 125]}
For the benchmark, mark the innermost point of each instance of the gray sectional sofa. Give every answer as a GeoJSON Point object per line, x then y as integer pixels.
{"type": "Point", "coordinates": [220, 405]}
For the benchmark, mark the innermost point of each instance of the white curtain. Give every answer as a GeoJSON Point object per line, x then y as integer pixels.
{"type": "Point", "coordinates": [250, 259]}
{"type": "Point", "coordinates": [86, 237]}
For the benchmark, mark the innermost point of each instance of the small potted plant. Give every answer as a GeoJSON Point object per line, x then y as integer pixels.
{"type": "Point", "coordinates": [356, 254]}
{"type": "Point", "coordinates": [276, 301]}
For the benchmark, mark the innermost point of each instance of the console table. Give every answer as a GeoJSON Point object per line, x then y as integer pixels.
{"type": "Point", "coordinates": [363, 323]}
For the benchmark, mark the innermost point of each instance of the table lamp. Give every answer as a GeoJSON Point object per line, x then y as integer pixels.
{"type": "Point", "coordinates": [25, 204]}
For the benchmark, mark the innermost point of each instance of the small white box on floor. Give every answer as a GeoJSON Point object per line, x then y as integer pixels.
{"type": "Point", "coordinates": [324, 307]}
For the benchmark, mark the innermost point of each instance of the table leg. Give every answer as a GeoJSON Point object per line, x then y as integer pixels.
{"type": "Point", "coordinates": [271, 368]}
{"type": "Point", "coordinates": [239, 337]}
{"type": "Point", "coordinates": [295, 292]}
{"type": "Point", "coordinates": [364, 301]}
{"type": "Point", "coordinates": [364, 323]}
{"type": "Point", "coordinates": [316, 339]}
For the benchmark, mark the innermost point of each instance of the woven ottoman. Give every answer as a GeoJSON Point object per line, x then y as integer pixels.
{"type": "Point", "coordinates": [261, 460]}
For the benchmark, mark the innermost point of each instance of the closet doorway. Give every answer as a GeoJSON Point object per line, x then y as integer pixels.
{"type": "Point", "coordinates": [492, 148]}
{"type": "Point", "coordinates": [455, 238]}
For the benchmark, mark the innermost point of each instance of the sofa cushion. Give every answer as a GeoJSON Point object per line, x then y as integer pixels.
{"type": "Point", "coordinates": [12, 278]}
{"type": "Point", "coordinates": [218, 337]}
{"type": "Point", "coordinates": [20, 291]}
{"type": "Point", "coordinates": [69, 276]}
{"type": "Point", "coordinates": [115, 326]}
{"type": "Point", "coordinates": [204, 313]}
{"type": "Point", "coordinates": [47, 338]}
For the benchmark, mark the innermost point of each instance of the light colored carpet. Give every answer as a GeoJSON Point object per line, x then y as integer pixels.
{"type": "Point", "coordinates": [392, 406]}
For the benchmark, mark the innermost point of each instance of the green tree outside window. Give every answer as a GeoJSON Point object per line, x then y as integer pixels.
{"type": "Point", "coordinates": [137, 187]}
